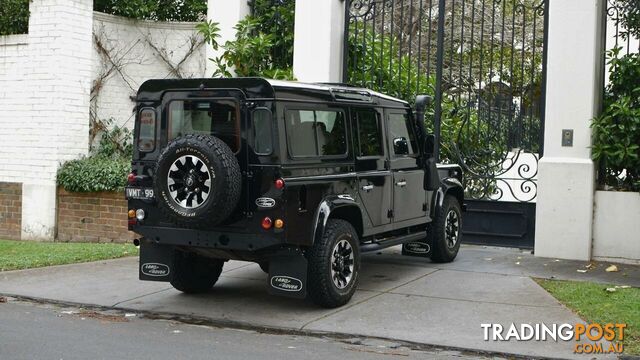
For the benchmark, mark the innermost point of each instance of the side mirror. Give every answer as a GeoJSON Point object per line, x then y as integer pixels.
{"type": "Point", "coordinates": [400, 146]}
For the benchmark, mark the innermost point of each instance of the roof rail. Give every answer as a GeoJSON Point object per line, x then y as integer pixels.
{"type": "Point", "coordinates": [359, 95]}
{"type": "Point", "coordinates": [338, 84]}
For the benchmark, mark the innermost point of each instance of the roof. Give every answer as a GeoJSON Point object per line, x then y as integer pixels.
{"type": "Point", "coordinates": [259, 88]}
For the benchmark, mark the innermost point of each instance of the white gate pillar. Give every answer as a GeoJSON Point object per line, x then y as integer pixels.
{"type": "Point", "coordinates": [226, 13]}
{"type": "Point", "coordinates": [318, 41]}
{"type": "Point", "coordinates": [566, 178]}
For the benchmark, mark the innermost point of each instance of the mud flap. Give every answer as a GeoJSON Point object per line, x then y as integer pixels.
{"type": "Point", "coordinates": [420, 248]}
{"type": "Point", "coordinates": [288, 274]}
{"type": "Point", "coordinates": [156, 262]}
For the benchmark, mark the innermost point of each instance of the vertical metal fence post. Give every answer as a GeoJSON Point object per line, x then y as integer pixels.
{"type": "Point", "coordinates": [439, 73]}
{"type": "Point", "coordinates": [345, 44]}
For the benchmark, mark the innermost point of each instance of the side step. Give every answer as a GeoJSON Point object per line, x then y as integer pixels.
{"type": "Point", "coordinates": [382, 244]}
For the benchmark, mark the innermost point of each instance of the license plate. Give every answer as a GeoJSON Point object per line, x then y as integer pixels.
{"type": "Point", "coordinates": [138, 193]}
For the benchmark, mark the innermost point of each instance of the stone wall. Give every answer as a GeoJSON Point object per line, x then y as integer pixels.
{"type": "Point", "coordinates": [92, 217]}
{"type": "Point", "coordinates": [73, 68]}
{"type": "Point", "coordinates": [128, 52]}
{"type": "Point", "coordinates": [10, 210]}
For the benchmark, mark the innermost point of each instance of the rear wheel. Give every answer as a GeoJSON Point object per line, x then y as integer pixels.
{"type": "Point", "coordinates": [333, 264]}
{"type": "Point", "coordinates": [446, 231]}
{"type": "Point", "coordinates": [195, 274]}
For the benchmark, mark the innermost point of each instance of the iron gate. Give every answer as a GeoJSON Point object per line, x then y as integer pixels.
{"type": "Point", "coordinates": [483, 61]}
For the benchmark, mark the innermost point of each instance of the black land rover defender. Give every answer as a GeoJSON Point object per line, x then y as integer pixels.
{"type": "Point", "coordinates": [299, 178]}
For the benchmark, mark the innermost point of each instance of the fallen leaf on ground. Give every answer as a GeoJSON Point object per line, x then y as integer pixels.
{"type": "Point", "coordinates": [3, 299]}
{"type": "Point", "coordinates": [581, 271]}
{"type": "Point", "coordinates": [100, 316]}
{"type": "Point", "coordinates": [611, 289]}
{"type": "Point", "coordinates": [488, 259]}
{"type": "Point", "coordinates": [590, 266]}
{"type": "Point", "coordinates": [612, 268]}
{"type": "Point", "coordinates": [517, 262]}
{"type": "Point", "coordinates": [623, 287]}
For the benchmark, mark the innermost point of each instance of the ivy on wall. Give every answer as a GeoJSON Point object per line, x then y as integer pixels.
{"type": "Point", "coordinates": [14, 17]}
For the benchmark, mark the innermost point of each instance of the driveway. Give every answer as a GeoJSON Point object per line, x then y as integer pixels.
{"type": "Point", "coordinates": [399, 298]}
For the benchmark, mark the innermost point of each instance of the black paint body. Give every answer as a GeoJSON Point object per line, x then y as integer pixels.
{"type": "Point", "coordinates": [315, 189]}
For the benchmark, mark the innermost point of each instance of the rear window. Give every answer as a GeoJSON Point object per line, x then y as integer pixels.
{"type": "Point", "coordinates": [219, 118]}
{"type": "Point", "coordinates": [316, 133]}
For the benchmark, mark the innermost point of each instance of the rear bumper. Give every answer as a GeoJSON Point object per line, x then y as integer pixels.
{"type": "Point", "coordinates": [222, 240]}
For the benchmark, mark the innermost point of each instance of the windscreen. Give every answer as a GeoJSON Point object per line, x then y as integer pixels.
{"type": "Point", "coordinates": [219, 118]}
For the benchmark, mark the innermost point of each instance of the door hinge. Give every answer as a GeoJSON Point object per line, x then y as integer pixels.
{"type": "Point", "coordinates": [390, 214]}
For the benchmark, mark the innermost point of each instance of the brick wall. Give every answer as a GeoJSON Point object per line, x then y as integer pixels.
{"type": "Point", "coordinates": [92, 217]}
{"type": "Point", "coordinates": [10, 210]}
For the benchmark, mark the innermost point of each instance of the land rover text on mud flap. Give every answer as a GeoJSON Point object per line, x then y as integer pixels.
{"type": "Point", "coordinates": [299, 178]}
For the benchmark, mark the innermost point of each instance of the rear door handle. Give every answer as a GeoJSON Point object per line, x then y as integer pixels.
{"type": "Point", "coordinates": [367, 188]}
{"type": "Point", "coordinates": [402, 183]}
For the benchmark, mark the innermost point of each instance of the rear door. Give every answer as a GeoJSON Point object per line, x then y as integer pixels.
{"type": "Point", "coordinates": [409, 197]}
{"type": "Point", "coordinates": [374, 178]}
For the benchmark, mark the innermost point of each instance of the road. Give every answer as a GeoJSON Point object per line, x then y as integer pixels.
{"type": "Point", "coordinates": [39, 331]}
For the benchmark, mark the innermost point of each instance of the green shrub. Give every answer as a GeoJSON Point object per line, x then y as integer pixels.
{"type": "Point", "coordinates": [94, 173]}
{"type": "Point", "coordinates": [263, 45]}
{"type": "Point", "coordinates": [160, 10]}
{"type": "Point", "coordinates": [616, 132]}
{"type": "Point", "coordinates": [630, 17]}
{"type": "Point", "coordinates": [107, 166]}
{"type": "Point", "coordinates": [14, 17]}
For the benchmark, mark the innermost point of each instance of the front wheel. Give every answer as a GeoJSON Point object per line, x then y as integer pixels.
{"type": "Point", "coordinates": [446, 231]}
{"type": "Point", "coordinates": [333, 264]}
{"type": "Point", "coordinates": [195, 274]}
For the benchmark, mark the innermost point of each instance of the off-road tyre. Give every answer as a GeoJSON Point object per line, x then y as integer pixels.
{"type": "Point", "coordinates": [193, 274]}
{"type": "Point", "coordinates": [322, 289]}
{"type": "Point", "coordinates": [443, 250]}
{"type": "Point", "coordinates": [223, 172]}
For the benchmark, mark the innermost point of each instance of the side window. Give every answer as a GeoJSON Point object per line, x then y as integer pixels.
{"type": "Point", "coordinates": [401, 134]}
{"type": "Point", "coordinates": [369, 139]}
{"type": "Point", "coordinates": [147, 133]}
{"type": "Point", "coordinates": [262, 137]}
{"type": "Point", "coordinates": [316, 132]}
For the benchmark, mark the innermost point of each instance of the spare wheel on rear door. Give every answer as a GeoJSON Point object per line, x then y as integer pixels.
{"type": "Point", "coordinates": [197, 181]}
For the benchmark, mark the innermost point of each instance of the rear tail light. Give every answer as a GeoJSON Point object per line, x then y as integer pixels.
{"type": "Point", "coordinates": [131, 178]}
{"type": "Point", "coordinates": [267, 223]}
{"type": "Point", "coordinates": [279, 183]}
{"type": "Point", "coordinates": [278, 224]}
